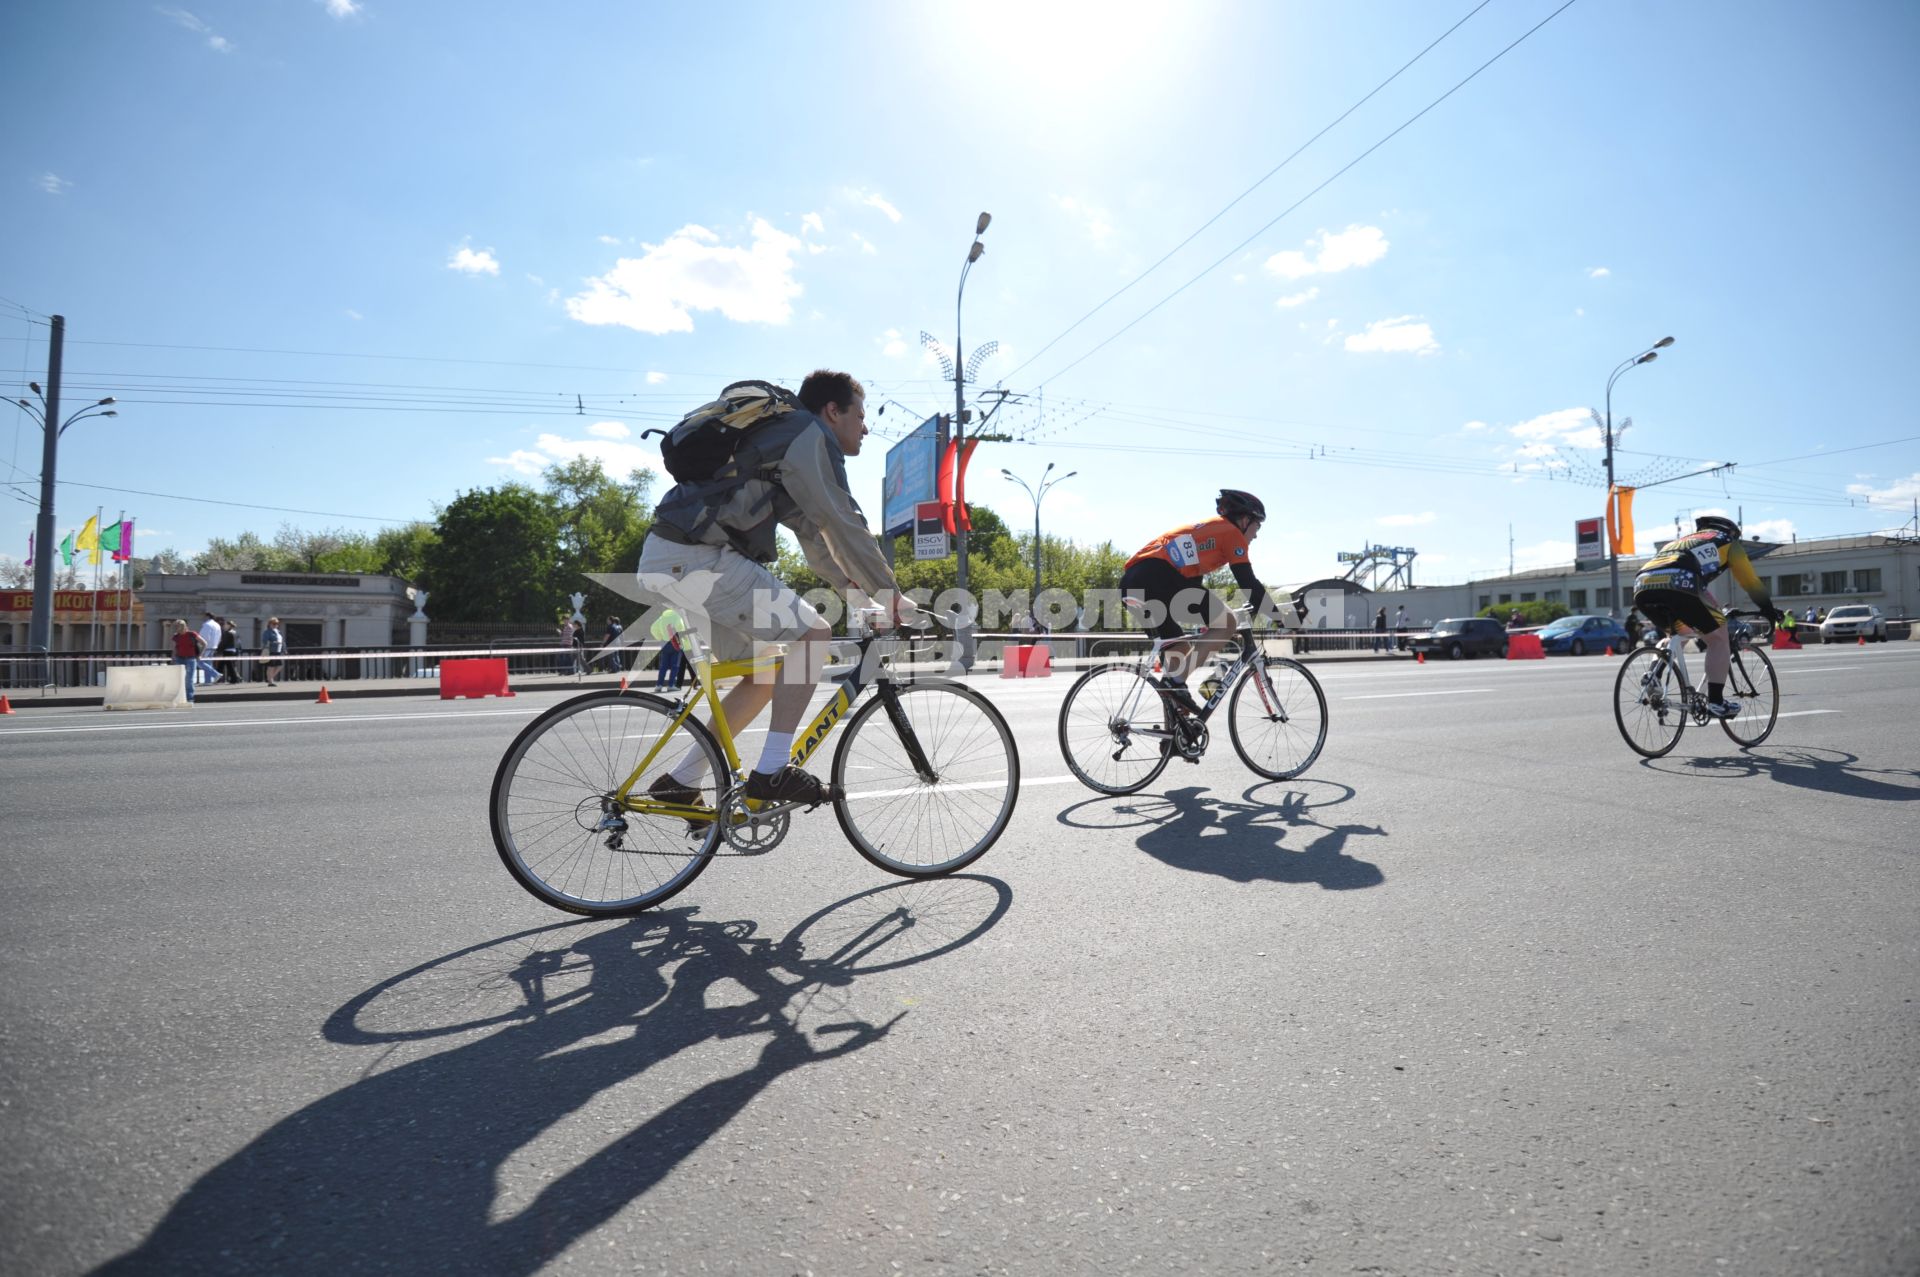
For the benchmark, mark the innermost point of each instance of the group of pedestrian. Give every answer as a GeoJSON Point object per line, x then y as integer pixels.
{"type": "Point", "coordinates": [1380, 641]}
{"type": "Point", "coordinates": [219, 636]}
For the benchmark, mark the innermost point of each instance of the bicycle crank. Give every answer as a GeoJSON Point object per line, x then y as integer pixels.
{"type": "Point", "coordinates": [752, 831]}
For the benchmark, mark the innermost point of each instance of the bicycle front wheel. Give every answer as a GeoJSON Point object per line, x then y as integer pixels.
{"type": "Point", "coordinates": [1278, 718]}
{"type": "Point", "coordinates": [927, 778]}
{"type": "Point", "coordinates": [1649, 703]}
{"type": "Point", "coordinates": [1116, 730]}
{"type": "Point", "coordinates": [1750, 681]}
{"type": "Point", "coordinates": [561, 831]}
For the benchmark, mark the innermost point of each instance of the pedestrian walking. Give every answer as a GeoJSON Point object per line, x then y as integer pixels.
{"type": "Point", "coordinates": [229, 649]}
{"type": "Point", "coordinates": [186, 652]}
{"type": "Point", "coordinates": [1380, 630]}
{"type": "Point", "coordinates": [273, 646]}
{"type": "Point", "coordinates": [209, 644]}
{"type": "Point", "coordinates": [672, 661]}
{"type": "Point", "coordinates": [611, 659]}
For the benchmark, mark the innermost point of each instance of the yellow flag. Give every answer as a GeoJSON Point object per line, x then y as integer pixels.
{"type": "Point", "coordinates": [89, 539]}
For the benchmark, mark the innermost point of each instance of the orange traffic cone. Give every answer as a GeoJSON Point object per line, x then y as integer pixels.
{"type": "Point", "coordinates": [1609, 649]}
{"type": "Point", "coordinates": [324, 698]}
{"type": "Point", "coordinates": [6, 706]}
{"type": "Point", "coordinates": [623, 682]}
{"type": "Point", "coordinates": [1863, 640]}
{"type": "Point", "coordinates": [1419, 658]}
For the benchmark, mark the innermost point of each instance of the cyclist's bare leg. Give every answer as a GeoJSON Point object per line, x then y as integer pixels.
{"type": "Point", "coordinates": [1719, 646]}
{"type": "Point", "coordinates": [1180, 659]}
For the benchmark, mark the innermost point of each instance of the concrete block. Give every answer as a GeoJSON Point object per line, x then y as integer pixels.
{"type": "Point", "coordinates": [146, 687]}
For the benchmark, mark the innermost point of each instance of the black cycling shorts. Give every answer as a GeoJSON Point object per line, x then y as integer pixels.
{"type": "Point", "coordinates": [1167, 601]}
{"type": "Point", "coordinates": [1666, 607]}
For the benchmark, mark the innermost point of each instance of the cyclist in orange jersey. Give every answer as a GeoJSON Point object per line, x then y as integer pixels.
{"type": "Point", "coordinates": [1164, 581]}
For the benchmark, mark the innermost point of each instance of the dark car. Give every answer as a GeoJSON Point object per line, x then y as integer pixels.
{"type": "Point", "coordinates": [1579, 635]}
{"type": "Point", "coordinates": [1463, 636]}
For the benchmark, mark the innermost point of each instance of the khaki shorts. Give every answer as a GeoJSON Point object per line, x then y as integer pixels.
{"type": "Point", "coordinates": [736, 606]}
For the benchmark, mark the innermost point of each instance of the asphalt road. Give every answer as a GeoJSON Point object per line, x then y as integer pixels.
{"type": "Point", "coordinates": [1485, 993]}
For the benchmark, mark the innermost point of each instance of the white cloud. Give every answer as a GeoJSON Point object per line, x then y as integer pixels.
{"type": "Point", "coordinates": [468, 262]}
{"type": "Point", "coordinates": [1769, 530]}
{"type": "Point", "coordinates": [891, 343]}
{"type": "Point", "coordinates": [1406, 520]}
{"type": "Point", "coordinates": [609, 430]}
{"type": "Point", "coordinates": [1335, 251]}
{"type": "Point", "coordinates": [1476, 425]}
{"type": "Point", "coordinates": [692, 270]}
{"type": "Point", "coordinates": [874, 200]}
{"type": "Point", "coordinates": [814, 222]}
{"type": "Point", "coordinates": [354, 314]}
{"type": "Point", "coordinates": [1554, 425]}
{"type": "Point", "coordinates": [608, 239]}
{"type": "Point", "coordinates": [618, 457]}
{"type": "Point", "coordinates": [1404, 335]}
{"type": "Point", "coordinates": [218, 43]}
{"type": "Point", "coordinates": [1297, 299]}
{"type": "Point", "coordinates": [1096, 222]}
{"type": "Point", "coordinates": [1598, 272]}
{"type": "Point", "coordinates": [342, 9]}
{"type": "Point", "coordinates": [1900, 493]}
{"type": "Point", "coordinates": [655, 378]}
{"type": "Point", "coordinates": [866, 245]}
{"type": "Point", "coordinates": [53, 184]}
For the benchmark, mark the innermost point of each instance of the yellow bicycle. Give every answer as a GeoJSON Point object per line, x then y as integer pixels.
{"type": "Point", "coordinates": [926, 775]}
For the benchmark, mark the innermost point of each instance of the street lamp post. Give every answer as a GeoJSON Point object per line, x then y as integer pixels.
{"type": "Point", "coordinates": [960, 411]}
{"type": "Point", "coordinates": [1038, 494]}
{"type": "Point", "coordinates": [1646, 356]}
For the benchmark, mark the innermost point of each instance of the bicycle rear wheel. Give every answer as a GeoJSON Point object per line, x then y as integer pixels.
{"type": "Point", "coordinates": [1750, 681]}
{"type": "Point", "coordinates": [1278, 719]}
{"type": "Point", "coordinates": [1116, 730]}
{"type": "Point", "coordinates": [922, 824]}
{"type": "Point", "coordinates": [558, 827]}
{"type": "Point", "coordinates": [1649, 703]}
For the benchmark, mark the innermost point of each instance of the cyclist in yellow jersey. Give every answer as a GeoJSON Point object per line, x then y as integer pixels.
{"type": "Point", "coordinates": [1671, 590]}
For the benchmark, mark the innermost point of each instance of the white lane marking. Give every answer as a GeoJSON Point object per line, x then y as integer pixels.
{"type": "Point", "coordinates": [950, 789]}
{"type": "Point", "coordinates": [1387, 696]}
{"type": "Point", "coordinates": [1802, 713]}
{"type": "Point", "coordinates": [274, 722]}
{"type": "Point", "coordinates": [1821, 669]}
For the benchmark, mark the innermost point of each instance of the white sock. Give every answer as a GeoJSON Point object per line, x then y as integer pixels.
{"type": "Point", "coordinates": [692, 767]}
{"type": "Point", "coordinates": [777, 754]}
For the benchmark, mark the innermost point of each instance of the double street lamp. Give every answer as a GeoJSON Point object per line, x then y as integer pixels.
{"type": "Point", "coordinates": [40, 629]}
{"type": "Point", "coordinates": [1038, 494]}
{"type": "Point", "coordinates": [1614, 521]}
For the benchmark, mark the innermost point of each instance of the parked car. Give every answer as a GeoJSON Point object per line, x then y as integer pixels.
{"type": "Point", "coordinates": [1578, 635]}
{"type": "Point", "coordinates": [1853, 620]}
{"type": "Point", "coordinates": [1463, 636]}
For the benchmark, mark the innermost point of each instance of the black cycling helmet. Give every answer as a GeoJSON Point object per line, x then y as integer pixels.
{"type": "Point", "coordinates": [1233, 503]}
{"type": "Point", "coordinates": [1717, 523]}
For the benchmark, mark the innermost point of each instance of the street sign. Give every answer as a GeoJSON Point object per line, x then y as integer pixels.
{"type": "Point", "coordinates": [1587, 549]}
{"type": "Point", "coordinates": [930, 539]}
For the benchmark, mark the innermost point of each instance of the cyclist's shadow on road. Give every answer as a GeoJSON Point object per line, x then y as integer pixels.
{"type": "Point", "coordinates": [1830, 771]}
{"type": "Point", "coordinates": [401, 1170]}
{"type": "Point", "coordinates": [1264, 837]}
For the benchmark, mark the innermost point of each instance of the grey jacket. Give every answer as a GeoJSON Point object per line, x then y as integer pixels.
{"type": "Point", "coordinates": [793, 472]}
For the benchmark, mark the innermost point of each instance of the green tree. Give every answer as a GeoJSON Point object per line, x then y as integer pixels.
{"type": "Point", "coordinates": [1536, 612]}
{"type": "Point", "coordinates": [244, 553]}
{"type": "Point", "coordinates": [601, 526]}
{"type": "Point", "coordinates": [495, 557]}
{"type": "Point", "coordinates": [403, 551]}
{"type": "Point", "coordinates": [305, 551]}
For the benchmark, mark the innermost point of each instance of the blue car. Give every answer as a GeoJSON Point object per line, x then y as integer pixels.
{"type": "Point", "coordinates": [1578, 635]}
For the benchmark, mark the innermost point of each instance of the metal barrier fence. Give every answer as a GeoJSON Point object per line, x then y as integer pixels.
{"type": "Point", "coordinates": [57, 671]}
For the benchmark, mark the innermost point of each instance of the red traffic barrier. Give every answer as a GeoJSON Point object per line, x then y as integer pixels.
{"type": "Point", "coordinates": [1784, 641]}
{"type": "Point", "coordinates": [1525, 647]}
{"type": "Point", "coordinates": [474, 678]}
{"type": "Point", "coordinates": [1026, 661]}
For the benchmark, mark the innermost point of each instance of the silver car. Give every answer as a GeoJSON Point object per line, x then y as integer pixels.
{"type": "Point", "coordinates": [1852, 621]}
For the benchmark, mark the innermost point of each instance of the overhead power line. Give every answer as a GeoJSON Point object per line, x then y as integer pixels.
{"type": "Point", "coordinates": [1338, 173]}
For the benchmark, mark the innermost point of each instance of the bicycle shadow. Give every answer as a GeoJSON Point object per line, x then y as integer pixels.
{"type": "Point", "coordinates": [401, 1169]}
{"type": "Point", "coordinates": [1828, 771]}
{"type": "Point", "coordinates": [1242, 841]}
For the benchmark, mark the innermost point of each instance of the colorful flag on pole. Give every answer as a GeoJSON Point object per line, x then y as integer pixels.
{"type": "Point", "coordinates": [89, 539]}
{"type": "Point", "coordinates": [66, 549]}
{"type": "Point", "coordinates": [118, 540]}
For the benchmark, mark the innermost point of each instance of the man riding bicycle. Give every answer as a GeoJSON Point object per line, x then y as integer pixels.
{"type": "Point", "coordinates": [1671, 590]}
{"type": "Point", "coordinates": [1164, 581]}
{"type": "Point", "coordinates": [707, 555]}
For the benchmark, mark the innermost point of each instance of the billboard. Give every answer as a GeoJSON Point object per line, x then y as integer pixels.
{"type": "Point", "coordinates": [1588, 549]}
{"type": "Point", "coordinates": [911, 465]}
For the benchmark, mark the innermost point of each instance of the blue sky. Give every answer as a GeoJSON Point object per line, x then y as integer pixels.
{"type": "Point", "coordinates": [352, 258]}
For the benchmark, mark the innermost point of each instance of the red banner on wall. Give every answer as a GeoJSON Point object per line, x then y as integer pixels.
{"type": "Point", "coordinates": [69, 600]}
